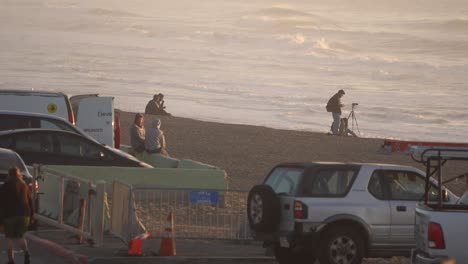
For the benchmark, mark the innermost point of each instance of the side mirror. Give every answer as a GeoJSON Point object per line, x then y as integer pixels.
{"type": "Point", "coordinates": [433, 196]}
{"type": "Point", "coordinates": [445, 196]}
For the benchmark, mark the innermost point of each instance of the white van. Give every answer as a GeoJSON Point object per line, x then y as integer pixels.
{"type": "Point", "coordinates": [94, 114]}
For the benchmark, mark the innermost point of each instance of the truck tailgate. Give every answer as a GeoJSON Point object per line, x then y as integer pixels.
{"type": "Point", "coordinates": [454, 225]}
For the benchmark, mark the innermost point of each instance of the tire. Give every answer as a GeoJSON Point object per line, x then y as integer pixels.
{"type": "Point", "coordinates": [263, 209]}
{"type": "Point", "coordinates": [288, 256]}
{"type": "Point", "coordinates": [342, 245]}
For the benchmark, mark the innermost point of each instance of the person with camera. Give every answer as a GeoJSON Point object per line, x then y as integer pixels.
{"type": "Point", "coordinates": [334, 106]}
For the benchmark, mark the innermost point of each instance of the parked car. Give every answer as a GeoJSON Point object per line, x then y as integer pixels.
{"type": "Point", "coordinates": [10, 159]}
{"type": "Point", "coordinates": [442, 229]}
{"type": "Point", "coordinates": [92, 113]}
{"type": "Point", "coordinates": [337, 212]}
{"type": "Point", "coordinates": [57, 147]}
{"type": "Point", "coordinates": [21, 120]}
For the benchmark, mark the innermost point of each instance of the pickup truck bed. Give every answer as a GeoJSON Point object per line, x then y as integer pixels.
{"type": "Point", "coordinates": [441, 233]}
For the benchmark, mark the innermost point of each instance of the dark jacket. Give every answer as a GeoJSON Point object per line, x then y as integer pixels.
{"type": "Point", "coordinates": [16, 199]}
{"type": "Point", "coordinates": [334, 104]}
{"type": "Point", "coordinates": [151, 108]}
{"type": "Point", "coordinates": [155, 108]}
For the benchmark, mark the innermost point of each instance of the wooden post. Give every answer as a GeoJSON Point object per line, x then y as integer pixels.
{"type": "Point", "coordinates": [91, 196]}
{"type": "Point", "coordinates": [81, 219]}
{"type": "Point", "coordinates": [98, 214]}
{"type": "Point", "coordinates": [60, 201]}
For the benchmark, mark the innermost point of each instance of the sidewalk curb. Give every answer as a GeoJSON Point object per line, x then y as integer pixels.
{"type": "Point", "coordinates": [183, 260]}
{"type": "Point", "coordinates": [58, 250]}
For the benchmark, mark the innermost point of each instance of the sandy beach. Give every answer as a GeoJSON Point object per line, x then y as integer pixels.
{"type": "Point", "coordinates": [247, 153]}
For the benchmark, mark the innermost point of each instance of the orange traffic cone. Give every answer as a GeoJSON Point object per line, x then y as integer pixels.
{"type": "Point", "coordinates": [134, 245]}
{"type": "Point", "coordinates": [168, 242]}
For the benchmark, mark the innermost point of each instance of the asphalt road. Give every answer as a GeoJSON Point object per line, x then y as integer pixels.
{"type": "Point", "coordinates": [39, 254]}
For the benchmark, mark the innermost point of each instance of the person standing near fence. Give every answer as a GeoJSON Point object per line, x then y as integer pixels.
{"type": "Point", "coordinates": [18, 213]}
{"type": "Point", "coordinates": [334, 106]}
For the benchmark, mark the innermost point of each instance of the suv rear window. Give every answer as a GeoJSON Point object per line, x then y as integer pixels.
{"type": "Point", "coordinates": [329, 183]}
{"type": "Point", "coordinates": [285, 180]}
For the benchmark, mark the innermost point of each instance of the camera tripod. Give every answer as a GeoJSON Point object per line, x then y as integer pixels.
{"type": "Point", "coordinates": [345, 131]}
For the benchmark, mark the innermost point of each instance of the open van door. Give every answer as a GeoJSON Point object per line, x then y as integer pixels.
{"type": "Point", "coordinates": [95, 115]}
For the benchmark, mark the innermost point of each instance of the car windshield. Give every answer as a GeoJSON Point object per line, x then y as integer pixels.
{"type": "Point", "coordinates": [285, 180]}
{"type": "Point", "coordinates": [463, 199]}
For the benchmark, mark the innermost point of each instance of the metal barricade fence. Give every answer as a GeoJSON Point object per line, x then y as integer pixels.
{"type": "Point", "coordinates": [70, 202]}
{"type": "Point", "coordinates": [198, 214]}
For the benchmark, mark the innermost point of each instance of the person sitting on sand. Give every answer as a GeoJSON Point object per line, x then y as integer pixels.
{"type": "Point", "coordinates": [137, 134]}
{"type": "Point", "coordinates": [155, 141]}
{"type": "Point", "coordinates": [156, 106]}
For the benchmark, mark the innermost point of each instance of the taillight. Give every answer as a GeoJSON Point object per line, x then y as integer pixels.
{"type": "Point", "coordinates": [117, 131]}
{"type": "Point", "coordinates": [36, 186]}
{"type": "Point", "coordinates": [435, 236]}
{"type": "Point", "coordinates": [71, 116]}
{"type": "Point", "coordinates": [300, 210]}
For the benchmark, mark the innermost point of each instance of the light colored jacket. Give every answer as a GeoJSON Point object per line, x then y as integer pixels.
{"type": "Point", "coordinates": [155, 139]}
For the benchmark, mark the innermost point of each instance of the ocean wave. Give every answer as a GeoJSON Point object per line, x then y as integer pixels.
{"type": "Point", "coordinates": [110, 12]}
{"type": "Point", "coordinates": [60, 4]}
{"type": "Point", "coordinates": [284, 16]}
{"type": "Point", "coordinates": [140, 29]}
{"type": "Point", "coordinates": [448, 25]}
{"type": "Point", "coordinates": [456, 24]}
{"type": "Point", "coordinates": [297, 38]}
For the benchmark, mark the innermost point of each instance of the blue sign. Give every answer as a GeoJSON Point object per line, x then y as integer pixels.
{"type": "Point", "coordinates": [204, 197]}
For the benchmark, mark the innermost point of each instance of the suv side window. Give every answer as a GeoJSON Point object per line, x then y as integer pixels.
{"type": "Point", "coordinates": [329, 183]}
{"type": "Point", "coordinates": [407, 185]}
{"type": "Point", "coordinates": [376, 186]}
{"type": "Point", "coordinates": [285, 180]}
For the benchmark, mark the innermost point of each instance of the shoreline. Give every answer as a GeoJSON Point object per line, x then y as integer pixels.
{"type": "Point", "coordinates": [248, 152]}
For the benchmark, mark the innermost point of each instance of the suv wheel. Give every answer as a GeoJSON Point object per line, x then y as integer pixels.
{"type": "Point", "coordinates": [263, 209]}
{"type": "Point", "coordinates": [342, 245]}
{"type": "Point", "coordinates": [288, 256]}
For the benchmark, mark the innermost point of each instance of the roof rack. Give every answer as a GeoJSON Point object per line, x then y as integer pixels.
{"type": "Point", "coordinates": [434, 158]}
{"type": "Point", "coordinates": [422, 154]}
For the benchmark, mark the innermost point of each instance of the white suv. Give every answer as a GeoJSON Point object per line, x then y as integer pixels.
{"type": "Point", "coordinates": [338, 213]}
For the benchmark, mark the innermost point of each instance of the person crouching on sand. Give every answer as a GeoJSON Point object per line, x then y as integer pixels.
{"type": "Point", "coordinates": [18, 213]}
{"type": "Point", "coordinates": [155, 141]}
